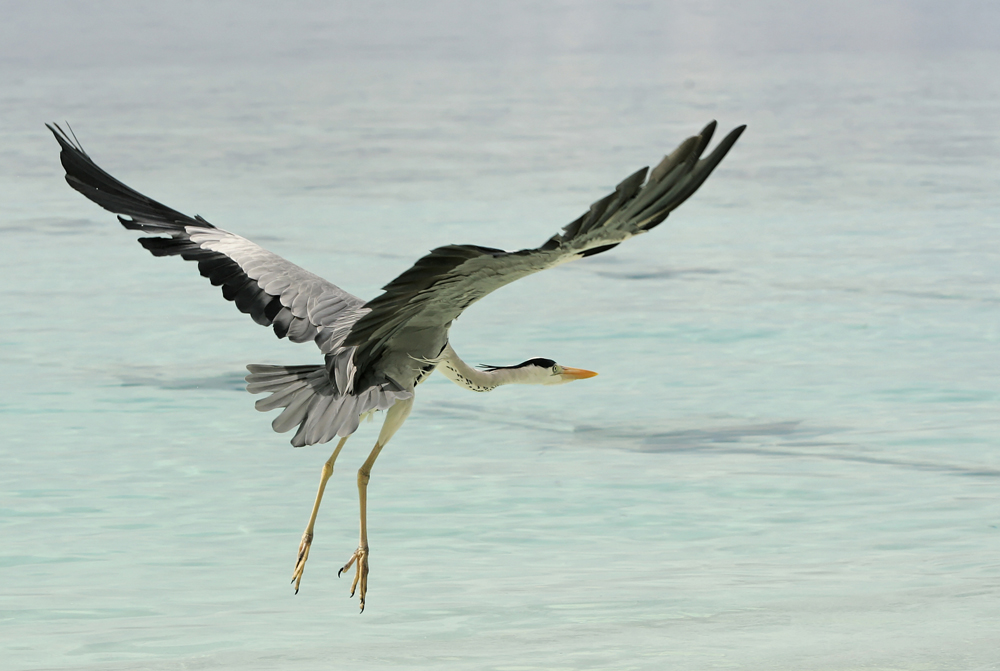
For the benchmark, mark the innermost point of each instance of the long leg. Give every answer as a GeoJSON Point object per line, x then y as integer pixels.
{"type": "Point", "coordinates": [393, 420]}
{"type": "Point", "coordinates": [307, 536]}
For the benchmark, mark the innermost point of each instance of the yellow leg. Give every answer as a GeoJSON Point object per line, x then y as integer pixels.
{"type": "Point", "coordinates": [307, 536]}
{"type": "Point", "coordinates": [361, 554]}
{"type": "Point", "coordinates": [393, 420]}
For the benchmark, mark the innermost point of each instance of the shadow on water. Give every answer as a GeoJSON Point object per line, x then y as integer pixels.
{"type": "Point", "coordinates": [50, 226]}
{"type": "Point", "coordinates": [223, 382]}
{"type": "Point", "coordinates": [790, 439]}
{"type": "Point", "coordinates": [692, 439]}
{"type": "Point", "coordinates": [657, 273]}
{"type": "Point", "coordinates": [793, 440]}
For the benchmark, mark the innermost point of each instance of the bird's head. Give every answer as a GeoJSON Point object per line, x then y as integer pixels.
{"type": "Point", "coordinates": [541, 371]}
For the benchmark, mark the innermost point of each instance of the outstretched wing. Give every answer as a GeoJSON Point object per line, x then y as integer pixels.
{"type": "Point", "coordinates": [273, 291]}
{"type": "Point", "coordinates": [442, 284]}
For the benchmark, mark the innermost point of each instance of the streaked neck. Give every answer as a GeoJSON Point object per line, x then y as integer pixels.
{"type": "Point", "coordinates": [464, 375]}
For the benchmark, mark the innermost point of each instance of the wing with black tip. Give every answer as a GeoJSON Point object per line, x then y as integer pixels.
{"type": "Point", "coordinates": [274, 292]}
{"type": "Point", "coordinates": [442, 284]}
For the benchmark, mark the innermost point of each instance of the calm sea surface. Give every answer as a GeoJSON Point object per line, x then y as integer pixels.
{"type": "Point", "coordinates": [790, 460]}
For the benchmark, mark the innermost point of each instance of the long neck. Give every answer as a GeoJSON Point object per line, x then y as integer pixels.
{"type": "Point", "coordinates": [466, 376]}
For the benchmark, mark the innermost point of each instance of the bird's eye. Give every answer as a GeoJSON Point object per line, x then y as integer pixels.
{"type": "Point", "coordinates": [556, 370]}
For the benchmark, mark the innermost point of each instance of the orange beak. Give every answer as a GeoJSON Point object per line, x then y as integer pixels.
{"type": "Point", "coordinates": [577, 373]}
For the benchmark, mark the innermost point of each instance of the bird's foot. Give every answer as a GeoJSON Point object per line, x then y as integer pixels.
{"type": "Point", "coordinates": [360, 557]}
{"type": "Point", "coordinates": [300, 565]}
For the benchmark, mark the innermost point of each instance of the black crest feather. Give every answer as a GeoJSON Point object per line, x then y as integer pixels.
{"type": "Point", "coordinates": [541, 363]}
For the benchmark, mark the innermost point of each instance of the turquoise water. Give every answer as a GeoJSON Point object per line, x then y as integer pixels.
{"type": "Point", "coordinates": [791, 457]}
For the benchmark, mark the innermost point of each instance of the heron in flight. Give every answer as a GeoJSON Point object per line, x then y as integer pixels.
{"type": "Point", "coordinates": [376, 352]}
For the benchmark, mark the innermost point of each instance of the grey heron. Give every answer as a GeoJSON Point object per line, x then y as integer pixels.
{"type": "Point", "coordinates": [376, 352]}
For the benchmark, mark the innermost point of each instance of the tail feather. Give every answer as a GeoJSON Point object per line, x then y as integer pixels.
{"type": "Point", "coordinates": [294, 412]}
{"type": "Point", "coordinates": [316, 404]}
{"type": "Point", "coordinates": [283, 397]}
{"type": "Point", "coordinates": [297, 389]}
{"type": "Point", "coordinates": [276, 378]}
{"type": "Point", "coordinates": [260, 370]}
{"type": "Point", "coordinates": [318, 419]}
{"type": "Point", "coordinates": [311, 402]}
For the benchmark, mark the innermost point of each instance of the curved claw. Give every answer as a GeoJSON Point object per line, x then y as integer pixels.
{"type": "Point", "coordinates": [360, 575]}
{"type": "Point", "coordinates": [300, 564]}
